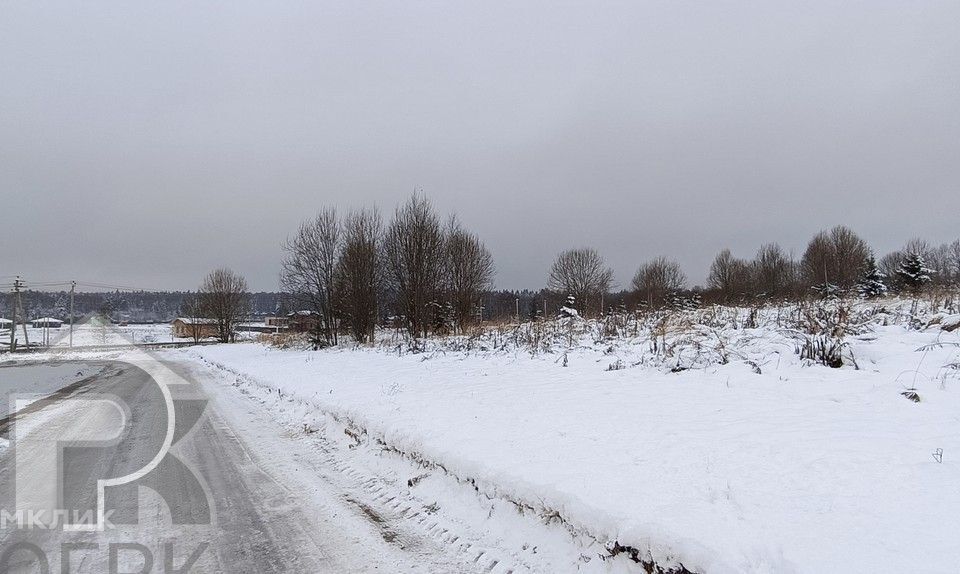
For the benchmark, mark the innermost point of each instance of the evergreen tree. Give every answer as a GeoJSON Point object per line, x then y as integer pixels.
{"type": "Point", "coordinates": [569, 309]}
{"type": "Point", "coordinates": [913, 272]}
{"type": "Point", "coordinates": [871, 284]}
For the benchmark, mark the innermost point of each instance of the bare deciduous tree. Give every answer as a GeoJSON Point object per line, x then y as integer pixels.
{"type": "Point", "coordinates": [818, 260]}
{"type": "Point", "coordinates": [720, 275]}
{"type": "Point", "coordinates": [852, 254]}
{"type": "Point", "coordinates": [583, 274]}
{"type": "Point", "coordinates": [469, 272]}
{"type": "Point", "coordinates": [729, 276]}
{"type": "Point", "coordinates": [918, 246]}
{"type": "Point", "coordinates": [360, 273]}
{"type": "Point", "coordinates": [889, 265]}
{"type": "Point", "coordinates": [414, 255]}
{"type": "Point", "coordinates": [939, 260]}
{"type": "Point", "coordinates": [656, 280]}
{"type": "Point", "coordinates": [837, 258]}
{"type": "Point", "coordinates": [953, 259]}
{"type": "Point", "coordinates": [308, 270]}
{"type": "Point", "coordinates": [225, 299]}
{"type": "Point", "coordinates": [742, 274]}
{"type": "Point", "coordinates": [773, 272]}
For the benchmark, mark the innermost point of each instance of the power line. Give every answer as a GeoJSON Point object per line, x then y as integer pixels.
{"type": "Point", "coordinates": [117, 287]}
{"type": "Point", "coordinates": [89, 284]}
{"type": "Point", "coordinates": [51, 284]}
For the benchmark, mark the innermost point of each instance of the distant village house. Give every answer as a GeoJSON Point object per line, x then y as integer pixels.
{"type": "Point", "coordinates": [280, 321]}
{"type": "Point", "coordinates": [303, 321]}
{"type": "Point", "coordinates": [298, 322]}
{"type": "Point", "coordinates": [184, 327]}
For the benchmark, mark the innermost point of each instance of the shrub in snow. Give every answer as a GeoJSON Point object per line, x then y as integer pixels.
{"type": "Point", "coordinates": [950, 323]}
{"type": "Point", "coordinates": [828, 290]}
{"type": "Point", "coordinates": [614, 326]}
{"type": "Point", "coordinates": [946, 322]}
{"type": "Point", "coordinates": [644, 559]}
{"type": "Point", "coordinates": [679, 340]}
{"type": "Point", "coordinates": [298, 341]}
{"type": "Point", "coordinates": [912, 395]}
{"type": "Point", "coordinates": [817, 318]}
{"type": "Point", "coordinates": [826, 325]}
{"type": "Point", "coordinates": [824, 350]}
{"type": "Point", "coordinates": [684, 303]}
{"type": "Point", "coordinates": [616, 365]}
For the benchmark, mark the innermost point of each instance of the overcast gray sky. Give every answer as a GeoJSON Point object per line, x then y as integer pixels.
{"type": "Point", "coordinates": [143, 143]}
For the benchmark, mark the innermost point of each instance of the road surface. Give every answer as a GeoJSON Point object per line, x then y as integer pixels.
{"type": "Point", "coordinates": [271, 507]}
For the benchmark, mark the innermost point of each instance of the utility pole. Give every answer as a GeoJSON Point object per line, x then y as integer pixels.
{"type": "Point", "coordinates": [26, 337]}
{"type": "Point", "coordinates": [18, 306]}
{"type": "Point", "coordinates": [13, 309]}
{"type": "Point", "coordinates": [73, 287]}
{"type": "Point", "coordinates": [518, 310]}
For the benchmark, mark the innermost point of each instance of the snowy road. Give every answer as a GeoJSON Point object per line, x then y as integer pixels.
{"type": "Point", "coordinates": [273, 507]}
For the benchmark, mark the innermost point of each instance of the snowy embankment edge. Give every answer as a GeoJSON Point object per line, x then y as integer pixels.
{"type": "Point", "coordinates": [650, 548]}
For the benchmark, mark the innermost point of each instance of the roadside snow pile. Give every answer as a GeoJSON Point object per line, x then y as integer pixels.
{"type": "Point", "coordinates": [714, 445]}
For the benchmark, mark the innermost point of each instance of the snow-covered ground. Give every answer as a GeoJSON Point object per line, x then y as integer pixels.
{"type": "Point", "coordinates": [703, 440]}
{"type": "Point", "coordinates": [36, 380]}
{"type": "Point", "coordinates": [94, 333]}
{"type": "Point", "coordinates": [23, 384]}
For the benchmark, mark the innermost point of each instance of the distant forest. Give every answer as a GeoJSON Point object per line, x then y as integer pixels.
{"type": "Point", "coordinates": [164, 306]}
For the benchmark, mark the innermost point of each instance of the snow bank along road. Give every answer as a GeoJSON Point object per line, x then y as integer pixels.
{"type": "Point", "coordinates": [277, 502]}
{"type": "Point", "coordinates": [766, 465]}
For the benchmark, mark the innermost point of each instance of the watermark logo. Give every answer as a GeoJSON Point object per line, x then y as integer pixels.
{"type": "Point", "coordinates": [118, 555]}
{"type": "Point", "coordinates": [81, 455]}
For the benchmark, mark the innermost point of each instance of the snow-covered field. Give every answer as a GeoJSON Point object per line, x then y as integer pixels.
{"type": "Point", "coordinates": [703, 440]}
{"type": "Point", "coordinates": [93, 333]}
